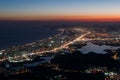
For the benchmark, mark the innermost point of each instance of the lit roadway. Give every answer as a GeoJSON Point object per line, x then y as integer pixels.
{"type": "Point", "coordinates": [62, 31]}
{"type": "Point", "coordinates": [65, 45]}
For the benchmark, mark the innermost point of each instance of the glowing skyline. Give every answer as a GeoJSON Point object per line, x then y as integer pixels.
{"type": "Point", "coordinates": [59, 9]}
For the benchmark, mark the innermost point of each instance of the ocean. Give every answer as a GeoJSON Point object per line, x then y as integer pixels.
{"type": "Point", "coordinates": [21, 32]}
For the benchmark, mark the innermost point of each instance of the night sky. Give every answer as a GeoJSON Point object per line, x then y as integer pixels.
{"type": "Point", "coordinates": [59, 9]}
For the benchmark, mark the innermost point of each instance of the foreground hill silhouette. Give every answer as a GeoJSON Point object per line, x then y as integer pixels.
{"type": "Point", "coordinates": [80, 61]}
{"type": "Point", "coordinates": [76, 63]}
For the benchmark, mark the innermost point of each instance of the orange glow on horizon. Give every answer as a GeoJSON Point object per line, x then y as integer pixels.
{"type": "Point", "coordinates": [62, 17]}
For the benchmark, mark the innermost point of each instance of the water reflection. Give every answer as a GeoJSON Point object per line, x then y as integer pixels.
{"type": "Point", "coordinates": [90, 47]}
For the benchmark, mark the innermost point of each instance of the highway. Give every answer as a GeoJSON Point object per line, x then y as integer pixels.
{"type": "Point", "coordinates": [66, 44]}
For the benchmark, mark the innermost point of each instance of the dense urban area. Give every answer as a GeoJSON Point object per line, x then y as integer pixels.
{"type": "Point", "coordinates": [76, 53]}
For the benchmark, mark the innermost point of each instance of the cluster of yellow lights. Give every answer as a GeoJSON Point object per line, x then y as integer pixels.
{"type": "Point", "coordinates": [66, 44]}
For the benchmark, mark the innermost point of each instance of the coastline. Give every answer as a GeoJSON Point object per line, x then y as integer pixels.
{"type": "Point", "coordinates": [27, 41]}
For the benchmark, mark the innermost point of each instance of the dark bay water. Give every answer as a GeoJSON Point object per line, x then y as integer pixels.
{"type": "Point", "coordinates": [18, 33]}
